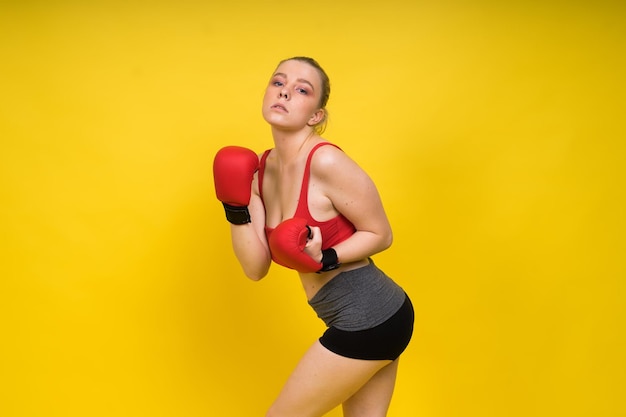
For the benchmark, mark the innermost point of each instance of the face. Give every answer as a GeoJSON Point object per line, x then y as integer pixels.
{"type": "Point", "coordinates": [292, 97]}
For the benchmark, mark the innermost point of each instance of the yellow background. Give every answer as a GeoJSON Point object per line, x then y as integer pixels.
{"type": "Point", "coordinates": [494, 132]}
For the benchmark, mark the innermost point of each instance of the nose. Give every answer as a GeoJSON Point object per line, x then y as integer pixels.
{"type": "Point", "coordinates": [283, 94]}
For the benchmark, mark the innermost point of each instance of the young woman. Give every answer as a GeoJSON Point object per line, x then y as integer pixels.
{"type": "Point", "coordinates": [308, 206]}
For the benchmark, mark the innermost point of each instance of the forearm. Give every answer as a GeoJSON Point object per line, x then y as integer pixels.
{"type": "Point", "coordinates": [363, 244]}
{"type": "Point", "coordinates": [251, 252]}
{"type": "Point", "coordinates": [250, 244]}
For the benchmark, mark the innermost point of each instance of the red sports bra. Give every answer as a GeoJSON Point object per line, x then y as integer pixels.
{"type": "Point", "coordinates": [334, 230]}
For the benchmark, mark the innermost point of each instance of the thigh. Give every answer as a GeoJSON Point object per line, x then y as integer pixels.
{"type": "Point", "coordinates": [321, 381]}
{"type": "Point", "coordinates": [373, 399]}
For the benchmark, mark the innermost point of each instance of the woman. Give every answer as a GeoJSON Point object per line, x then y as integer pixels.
{"type": "Point", "coordinates": [309, 207]}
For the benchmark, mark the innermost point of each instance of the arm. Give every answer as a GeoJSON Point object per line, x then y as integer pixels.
{"type": "Point", "coordinates": [249, 241]}
{"type": "Point", "coordinates": [353, 194]}
{"type": "Point", "coordinates": [236, 187]}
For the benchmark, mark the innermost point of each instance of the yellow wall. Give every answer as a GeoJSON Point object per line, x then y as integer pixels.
{"type": "Point", "coordinates": [492, 131]}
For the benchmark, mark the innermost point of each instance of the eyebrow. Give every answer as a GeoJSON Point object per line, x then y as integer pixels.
{"type": "Point", "coordinates": [301, 80]}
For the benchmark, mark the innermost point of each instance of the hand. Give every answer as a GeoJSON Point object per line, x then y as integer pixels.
{"type": "Point", "coordinates": [313, 246]}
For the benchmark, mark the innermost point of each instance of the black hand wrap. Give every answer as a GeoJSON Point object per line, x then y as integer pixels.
{"type": "Point", "coordinates": [237, 214]}
{"type": "Point", "coordinates": [329, 260]}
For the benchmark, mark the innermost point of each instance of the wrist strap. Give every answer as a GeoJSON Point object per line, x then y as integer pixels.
{"type": "Point", "coordinates": [237, 214]}
{"type": "Point", "coordinates": [329, 260]}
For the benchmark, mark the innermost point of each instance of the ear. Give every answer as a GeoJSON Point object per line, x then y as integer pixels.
{"type": "Point", "coordinates": [317, 117]}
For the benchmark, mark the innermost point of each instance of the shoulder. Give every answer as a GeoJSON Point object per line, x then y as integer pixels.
{"type": "Point", "coordinates": [327, 155]}
{"type": "Point", "coordinates": [330, 160]}
{"type": "Point", "coordinates": [265, 159]}
{"type": "Point", "coordinates": [265, 153]}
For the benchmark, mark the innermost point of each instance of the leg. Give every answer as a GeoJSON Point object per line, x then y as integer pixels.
{"type": "Point", "coordinates": [373, 399]}
{"type": "Point", "coordinates": [321, 381]}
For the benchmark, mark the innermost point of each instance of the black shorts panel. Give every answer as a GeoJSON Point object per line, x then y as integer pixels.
{"type": "Point", "coordinates": [383, 342]}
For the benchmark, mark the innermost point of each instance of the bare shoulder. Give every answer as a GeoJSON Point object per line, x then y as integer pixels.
{"type": "Point", "coordinates": [330, 161]}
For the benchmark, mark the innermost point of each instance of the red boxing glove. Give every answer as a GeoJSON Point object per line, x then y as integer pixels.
{"type": "Point", "coordinates": [233, 172]}
{"type": "Point", "coordinates": [287, 243]}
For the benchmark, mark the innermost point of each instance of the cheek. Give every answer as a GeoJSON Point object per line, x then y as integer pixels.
{"type": "Point", "coordinates": [268, 99]}
{"type": "Point", "coordinates": [266, 94]}
{"type": "Point", "coordinates": [265, 105]}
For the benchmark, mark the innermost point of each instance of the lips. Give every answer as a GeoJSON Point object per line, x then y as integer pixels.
{"type": "Point", "coordinates": [279, 107]}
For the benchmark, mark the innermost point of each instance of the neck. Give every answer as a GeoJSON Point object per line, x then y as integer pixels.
{"type": "Point", "coordinates": [289, 144]}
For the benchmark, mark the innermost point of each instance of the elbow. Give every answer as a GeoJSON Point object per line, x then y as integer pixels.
{"type": "Point", "coordinates": [255, 266]}
{"type": "Point", "coordinates": [254, 277]}
{"type": "Point", "coordinates": [387, 240]}
{"type": "Point", "coordinates": [256, 274]}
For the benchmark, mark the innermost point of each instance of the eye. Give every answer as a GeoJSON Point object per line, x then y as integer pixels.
{"type": "Point", "coordinates": [277, 83]}
{"type": "Point", "coordinates": [302, 91]}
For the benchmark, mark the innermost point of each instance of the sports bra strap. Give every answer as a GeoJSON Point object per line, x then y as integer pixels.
{"type": "Point", "coordinates": [303, 205]}
{"type": "Point", "coordinates": [304, 191]}
{"type": "Point", "coordinates": [262, 171]}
